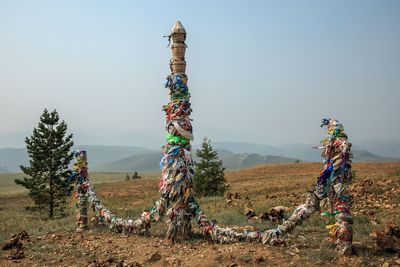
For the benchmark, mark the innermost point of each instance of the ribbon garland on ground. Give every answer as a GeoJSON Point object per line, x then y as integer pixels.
{"type": "Point", "coordinates": [87, 194]}
{"type": "Point", "coordinates": [178, 190]}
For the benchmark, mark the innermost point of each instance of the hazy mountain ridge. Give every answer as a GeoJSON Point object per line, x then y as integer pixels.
{"type": "Point", "coordinates": [150, 162]}
{"type": "Point", "coordinates": [147, 162]}
{"type": "Point", "coordinates": [365, 155]}
{"type": "Point", "coordinates": [304, 152]}
{"type": "Point", "coordinates": [99, 155]}
{"type": "Point", "coordinates": [235, 155]}
{"type": "Point", "coordinates": [381, 147]}
{"type": "Point", "coordinates": [92, 137]}
{"type": "Point", "coordinates": [12, 158]}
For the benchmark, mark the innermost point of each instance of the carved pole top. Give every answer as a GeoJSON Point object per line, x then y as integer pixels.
{"type": "Point", "coordinates": [178, 28]}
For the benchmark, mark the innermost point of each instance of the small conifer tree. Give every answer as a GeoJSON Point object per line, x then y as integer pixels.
{"type": "Point", "coordinates": [209, 178]}
{"type": "Point", "coordinates": [49, 152]}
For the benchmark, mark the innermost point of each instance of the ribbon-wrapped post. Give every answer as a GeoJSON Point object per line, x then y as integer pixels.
{"type": "Point", "coordinates": [332, 183]}
{"type": "Point", "coordinates": [177, 175]}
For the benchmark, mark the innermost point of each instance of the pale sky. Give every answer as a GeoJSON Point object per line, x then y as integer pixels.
{"type": "Point", "coordinates": [259, 71]}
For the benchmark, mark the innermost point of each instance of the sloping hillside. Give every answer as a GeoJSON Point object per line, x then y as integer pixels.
{"type": "Point", "coordinates": [304, 152]}
{"type": "Point", "coordinates": [382, 147]}
{"type": "Point", "coordinates": [12, 158]}
{"type": "Point", "coordinates": [150, 162]}
{"type": "Point", "coordinates": [147, 162]}
{"type": "Point", "coordinates": [125, 158]}
{"type": "Point", "coordinates": [364, 155]}
{"type": "Point", "coordinates": [99, 155]}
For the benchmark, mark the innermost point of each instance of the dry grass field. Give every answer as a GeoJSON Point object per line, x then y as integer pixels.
{"type": "Point", "coordinates": [54, 242]}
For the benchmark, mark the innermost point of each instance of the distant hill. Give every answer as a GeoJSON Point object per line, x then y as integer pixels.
{"type": "Point", "coordinates": [304, 152]}
{"type": "Point", "coordinates": [382, 147]}
{"type": "Point", "coordinates": [150, 162]}
{"type": "Point", "coordinates": [12, 158]}
{"type": "Point", "coordinates": [244, 160]}
{"type": "Point", "coordinates": [364, 155]}
{"type": "Point", "coordinates": [105, 136]}
{"type": "Point", "coordinates": [146, 162]}
{"type": "Point", "coordinates": [385, 148]}
{"type": "Point", "coordinates": [125, 158]}
{"type": "Point", "coordinates": [99, 155]}
{"type": "Point", "coordinates": [244, 147]}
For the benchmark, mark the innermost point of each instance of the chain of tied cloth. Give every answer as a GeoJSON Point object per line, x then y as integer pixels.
{"type": "Point", "coordinates": [176, 183]}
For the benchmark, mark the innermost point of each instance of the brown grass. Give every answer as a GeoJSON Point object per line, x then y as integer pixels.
{"type": "Point", "coordinates": [264, 186]}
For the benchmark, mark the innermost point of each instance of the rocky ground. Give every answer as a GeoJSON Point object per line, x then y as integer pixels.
{"type": "Point", "coordinates": [376, 191]}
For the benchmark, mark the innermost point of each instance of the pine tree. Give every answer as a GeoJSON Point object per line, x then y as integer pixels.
{"type": "Point", "coordinates": [209, 179]}
{"type": "Point", "coordinates": [49, 152]}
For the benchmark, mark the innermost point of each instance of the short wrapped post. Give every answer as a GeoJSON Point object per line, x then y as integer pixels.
{"type": "Point", "coordinates": [81, 178]}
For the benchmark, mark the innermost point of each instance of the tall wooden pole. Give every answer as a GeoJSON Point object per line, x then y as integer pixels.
{"type": "Point", "coordinates": [177, 175]}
